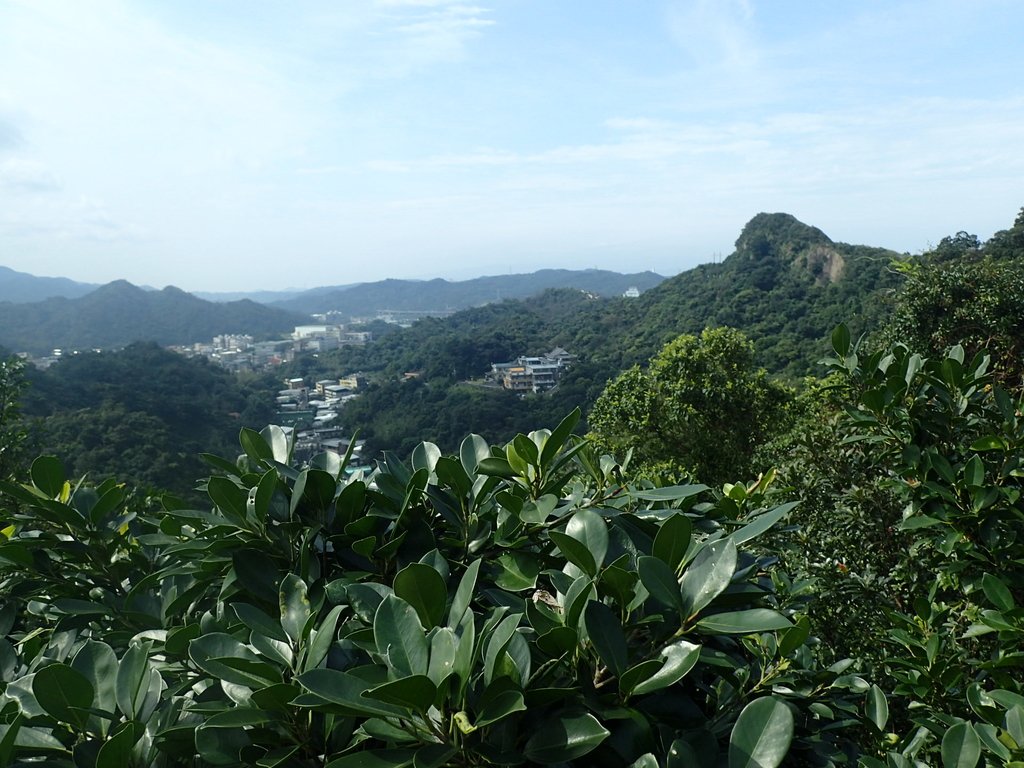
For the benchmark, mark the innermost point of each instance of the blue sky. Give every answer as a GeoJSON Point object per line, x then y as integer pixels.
{"type": "Point", "coordinates": [243, 144]}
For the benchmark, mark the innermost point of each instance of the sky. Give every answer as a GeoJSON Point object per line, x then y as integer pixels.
{"type": "Point", "coordinates": [227, 145]}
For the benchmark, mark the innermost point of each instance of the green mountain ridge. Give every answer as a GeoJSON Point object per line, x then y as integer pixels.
{"type": "Point", "coordinates": [120, 313]}
{"type": "Point", "coordinates": [366, 299]}
{"type": "Point", "coordinates": [22, 288]}
{"type": "Point", "coordinates": [785, 286]}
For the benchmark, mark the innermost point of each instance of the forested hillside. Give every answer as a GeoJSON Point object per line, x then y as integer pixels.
{"type": "Point", "coordinates": [142, 414]}
{"type": "Point", "coordinates": [120, 313]}
{"type": "Point", "coordinates": [785, 286]}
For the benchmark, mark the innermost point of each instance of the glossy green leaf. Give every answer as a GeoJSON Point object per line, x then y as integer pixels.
{"type": "Point", "coordinates": [399, 637]}
{"type": "Point", "coordinates": [575, 552]}
{"type": "Point", "coordinates": [47, 473]}
{"type": "Point", "coordinates": [762, 523]}
{"type": "Point", "coordinates": [519, 571]}
{"type": "Point", "coordinates": [669, 493]}
{"type": "Point", "coordinates": [997, 592]}
{"type": "Point", "coordinates": [708, 575]}
{"type": "Point", "coordinates": [64, 694]}
{"type": "Point", "coordinates": [324, 636]}
{"type": "Point", "coordinates": [496, 467]}
{"type": "Point", "coordinates": [497, 643]}
{"type": "Point", "coordinates": [680, 658]}
{"type": "Point", "coordinates": [558, 641]}
{"type": "Point", "coordinates": [499, 707]}
{"type": "Point", "coordinates": [745, 622]}
{"type": "Point", "coordinates": [673, 540]}
{"type": "Point", "coordinates": [98, 664]}
{"type": "Point", "coordinates": [229, 498]}
{"type": "Point", "coordinates": [606, 635]}
{"type": "Point", "coordinates": [255, 446]}
{"type": "Point", "coordinates": [877, 708]}
{"type": "Point", "coordinates": [794, 637]}
{"type": "Point", "coordinates": [762, 734]}
{"type": "Point", "coordinates": [280, 443]}
{"type": "Point", "coordinates": [220, 746]}
{"type": "Point", "coordinates": [636, 674]}
{"type": "Point", "coordinates": [35, 739]}
{"type": "Point", "coordinates": [841, 340]}
{"type": "Point", "coordinates": [961, 747]}
{"type": "Point", "coordinates": [258, 621]}
{"type": "Point", "coordinates": [294, 604]}
{"type": "Point", "coordinates": [416, 692]}
{"type": "Point", "coordinates": [116, 751]}
{"type": "Point", "coordinates": [974, 472]}
{"type": "Point", "coordinates": [464, 594]}
{"type": "Point", "coordinates": [560, 740]}
{"type": "Point", "coordinates": [443, 647]}
{"type": "Point", "coordinates": [345, 691]}
{"type": "Point", "coordinates": [209, 652]}
{"type": "Point", "coordinates": [660, 581]}
{"type": "Point", "coordinates": [590, 529]}
{"type": "Point", "coordinates": [133, 680]}
{"type": "Point", "coordinates": [424, 589]}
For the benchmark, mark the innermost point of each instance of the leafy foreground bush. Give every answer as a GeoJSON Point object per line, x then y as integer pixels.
{"type": "Point", "coordinates": [948, 442]}
{"type": "Point", "coordinates": [515, 605]}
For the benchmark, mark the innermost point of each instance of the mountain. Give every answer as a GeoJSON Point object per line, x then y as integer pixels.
{"type": "Point", "coordinates": [366, 299]}
{"type": "Point", "coordinates": [786, 286]}
{"type": "Point", "coordinates": [119, 313]}
{"type": "Point", "coordinates": [21, 287]}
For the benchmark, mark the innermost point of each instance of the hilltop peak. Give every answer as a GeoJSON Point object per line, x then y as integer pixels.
{"type": "Point", "coordinates": [779, 233]}
{"type": "Point", "coordinates": [783, 239]}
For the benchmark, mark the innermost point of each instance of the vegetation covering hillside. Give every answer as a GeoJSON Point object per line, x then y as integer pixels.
{"type": "Point", "coordinates": [119, 313]}
{"type": "Point", "coordinates": [786, 286]}
{"type": "Point", "coordinates": [366, 299]}
{"type": "Point", "coordinates": [142, 414]}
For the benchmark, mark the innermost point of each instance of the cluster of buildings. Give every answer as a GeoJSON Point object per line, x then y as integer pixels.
{"type": "Point", "coordinates": [240, 352]}
{"type": "Point", "coordinates": [532, 374]}
{"type": "Point", "coordinates": [313, 414]}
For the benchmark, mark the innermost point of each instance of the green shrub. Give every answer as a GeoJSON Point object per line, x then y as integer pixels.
{"type": "Point", "coordinates": [514, 605]}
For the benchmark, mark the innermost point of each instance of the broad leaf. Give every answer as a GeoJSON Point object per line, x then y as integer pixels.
{"type": "Point", "coordinates": [399, 637]}
{"type": "Point", "coordinates": [708, 575]}
{"type": "Point", "coordinates": [673, 540]}
{"type": "Point", "coordinates": [64, 694]}
{"type": "Point", "coordinates": [762, 734]}
{"type": "Point", "coordinates": [424, 589]}
{"type": "Point", "coordinates": [961, 747]}
{"type": "Point", "coordinates": [563, 739]}
{"type": "Point", "coordinates": [745, 622]}
{"type": "Point", "coordinates": [680, 658]}
{"type": "Point", "coordinates": [606, 635]}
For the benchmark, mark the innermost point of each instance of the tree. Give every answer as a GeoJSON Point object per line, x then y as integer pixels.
{"type": "Point", "coordinates": [701, 407]}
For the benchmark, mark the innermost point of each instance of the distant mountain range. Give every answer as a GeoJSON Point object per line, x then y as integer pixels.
{"type": "Point", "coordinates": [366, 299]}
{"type": "Point", "coordinates": [119, 313]}
{"type": "Point", "coordinates": [81, 316]}
{"type": "Point", "coordinates": [21, 287]}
